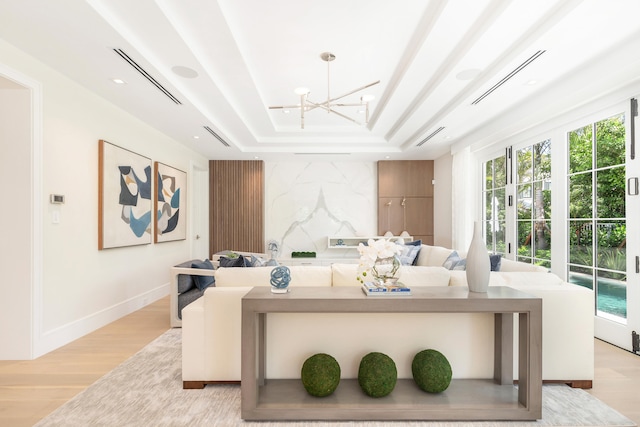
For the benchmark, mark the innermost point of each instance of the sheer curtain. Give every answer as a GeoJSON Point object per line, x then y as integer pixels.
{"type": "Point", "coordinates": [465, 187]}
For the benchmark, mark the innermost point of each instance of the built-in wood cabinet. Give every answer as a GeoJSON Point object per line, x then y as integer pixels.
{"type": "Point", "coordinates": [405, 198]}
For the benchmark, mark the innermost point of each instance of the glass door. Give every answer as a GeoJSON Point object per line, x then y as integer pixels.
{"type": "Point", "coordinates": [601, 242]}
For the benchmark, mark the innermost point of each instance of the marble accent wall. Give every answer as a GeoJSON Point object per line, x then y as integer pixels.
{"type": "Point", "coordinates": [305, 202]}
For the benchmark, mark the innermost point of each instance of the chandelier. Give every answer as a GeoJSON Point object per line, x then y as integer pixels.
{"type": "Point", "coordinates": [330, 104]}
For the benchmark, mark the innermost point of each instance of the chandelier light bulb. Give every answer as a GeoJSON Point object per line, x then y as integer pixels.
{"type": "Point", "coordinates": [301, 91]}
{"type": "Point", "coordinates": [367, 98]}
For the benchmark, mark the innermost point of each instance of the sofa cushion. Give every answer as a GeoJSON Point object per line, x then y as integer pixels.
{"type": "Point", "coordinates": [432, 255]}
{"type": "Point", "coordinates": [510, 265]}
{"type": "Point", "coordinates": [344, 275]}
{"type": "Point", "coordinates": [459, 278]}
{"type": "Point", "coordinates": [301, 275]}
{"type": "Point", "coordinates": [412, 276]}
{"type": "Point", "coordinates": [530, 279]}
{"type": "Point", "coordinates": [187, 298]}
{"type": "Point", "coordinates": [203, 282]}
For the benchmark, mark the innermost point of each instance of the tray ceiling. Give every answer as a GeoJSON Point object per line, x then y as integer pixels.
{"type": "Point", "coordinates": [210, 69]}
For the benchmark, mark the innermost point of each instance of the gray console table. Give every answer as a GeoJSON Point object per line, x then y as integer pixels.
{"type": "Point", "coordinates": [477, 399]}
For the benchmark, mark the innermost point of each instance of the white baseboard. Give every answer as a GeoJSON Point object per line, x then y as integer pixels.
{"type": "Point", "coordinates": [56, 338]}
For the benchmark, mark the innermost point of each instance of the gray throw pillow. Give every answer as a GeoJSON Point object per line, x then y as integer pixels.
{"type": "Point", "coordinates": [203, 282]}
{"type": "Point", "coordinates": [232, 262]}
{"type": "Point", "coordinates": [496, 261]}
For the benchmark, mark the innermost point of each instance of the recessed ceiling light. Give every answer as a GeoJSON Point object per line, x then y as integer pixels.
{"type": "Point", "coordinates": [119, 81]}
{"type": "Point", "coordinates": [286, 111]}
{"type": "Point", "coordinates": [256, 157]}
{"type": "Point", "coordinates": [196, 137]}
{"type": "Point", "coordinates": [469, 74]}
{"type": "Point", "coordinates": [186, 72]}
{"type": "Point", "coordinates": [531, 82]}
{"type": "Point", "coordinates": [387, 157]}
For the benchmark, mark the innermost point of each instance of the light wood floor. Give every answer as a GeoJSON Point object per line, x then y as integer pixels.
{"type": "Point", "coordinates": [30, 390]}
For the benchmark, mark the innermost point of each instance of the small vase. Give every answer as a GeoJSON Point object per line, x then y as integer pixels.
{"type": "Point", "coordinates": [385, 271]}
{"type": "Point", "coordinates": [478, 264]}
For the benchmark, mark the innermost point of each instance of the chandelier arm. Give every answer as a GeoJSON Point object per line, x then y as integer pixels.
{"type": "Point", "coordinates": [354, 91]}
{"type": "Point", "coordinates": [329, 110]}
{"type": "Point", "coordinates": [282, 107]}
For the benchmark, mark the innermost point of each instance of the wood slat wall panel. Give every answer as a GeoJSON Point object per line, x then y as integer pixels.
{"type": "Point", "coordinates": [236, 205]}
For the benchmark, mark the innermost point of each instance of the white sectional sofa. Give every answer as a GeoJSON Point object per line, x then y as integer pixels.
{"type": "Point", "coordinates": [211, 325]}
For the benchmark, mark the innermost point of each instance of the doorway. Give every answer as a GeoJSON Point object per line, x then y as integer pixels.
{"type": "Point", "coordinates": [603, 244]}
{"type": "Point", "coordinates": [17, 216]}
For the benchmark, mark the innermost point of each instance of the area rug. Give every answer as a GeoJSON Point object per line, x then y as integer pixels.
{"type": "Point", "coordinates": [146, 390]}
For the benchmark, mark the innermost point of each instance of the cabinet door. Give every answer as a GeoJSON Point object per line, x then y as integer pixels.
{"type": "Point", "coordinates": [390, 215]}
{"type": "Point", "coordinates": [411, 214]}
{"type": "Point", "coordinates": [405, 178]}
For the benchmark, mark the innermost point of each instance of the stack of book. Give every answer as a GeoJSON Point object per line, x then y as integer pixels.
{"type": "Point", "coordinates": [374, 289]}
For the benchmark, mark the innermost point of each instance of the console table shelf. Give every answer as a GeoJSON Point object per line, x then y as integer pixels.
{"type": "Point", "coordinates": [463, 400]}
{"type": "Point", "coordinates": [482, 399]}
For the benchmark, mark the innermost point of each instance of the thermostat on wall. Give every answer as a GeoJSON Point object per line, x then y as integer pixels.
{"type": "Point", "coordinates": [57, 199]}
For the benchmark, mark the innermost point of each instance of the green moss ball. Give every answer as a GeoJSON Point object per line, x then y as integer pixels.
{"type": "Point", "coordinates": [431, 371]}
{"type": "Point", "coordinates": [320, 375]}
{"type": "Point", "coordinates": [377, 374]}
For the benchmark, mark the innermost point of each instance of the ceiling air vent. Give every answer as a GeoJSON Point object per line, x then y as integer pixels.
{"type": "Point", "coordinates": [322, 154]}
{"type": "Point", "coordinates": [508, 76]}
{"type": "Point", "coordinates": [431, 135]}
{"type": "Point", "coordinates": [218, 137]}
{"type": "Point", "coordinates": [146, 75]}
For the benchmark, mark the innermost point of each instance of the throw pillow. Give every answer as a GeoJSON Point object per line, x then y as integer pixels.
{"type": "Point", "coordinates": [237, 261]}
{"type": "Point", "coordinates": [256, 262]}
{"type": "Point", "coordinates": [409, 254]}
{"type": "Point", "coordinates": [454, 262]}
{"type": "Point", "coordinates": [203, 282]}
{"type": "Point", "coordinates": [496, 261]}
{"type": "Point", "coordinates": [417, 243]}
{"type": "Point", "coordinates": [461, 265]}
{"type": "Point", "coordinates": [451, 260]}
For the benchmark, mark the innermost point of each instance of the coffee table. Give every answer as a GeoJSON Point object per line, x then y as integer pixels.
{"type": "Point", "coordinates": [466, 399]}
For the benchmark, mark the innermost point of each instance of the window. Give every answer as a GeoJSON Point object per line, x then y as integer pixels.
{"type": "Point", "coordinates": [494, 191]}
{"type": "Point", "coordinates": [596, 223]}
{"type": "Point", "coordinates": [531, 222]}
{"type": "Point", "coordinates": [533, 202]}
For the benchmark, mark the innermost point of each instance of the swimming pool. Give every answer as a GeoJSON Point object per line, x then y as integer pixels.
{"type": "Point", "coordinates": [612, 294]}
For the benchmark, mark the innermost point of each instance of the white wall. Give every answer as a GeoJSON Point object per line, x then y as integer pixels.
{"type": "Point", "coordinates": [83, 288]}
{"type": "Point", "coordinates": [307, 201]}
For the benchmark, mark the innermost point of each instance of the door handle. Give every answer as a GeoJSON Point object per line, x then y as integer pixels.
{"type": "Point", "coordinates": [632, 182]}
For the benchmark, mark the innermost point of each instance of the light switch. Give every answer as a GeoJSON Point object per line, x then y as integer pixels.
{"type": "Point", "coordinates": [55, 217]}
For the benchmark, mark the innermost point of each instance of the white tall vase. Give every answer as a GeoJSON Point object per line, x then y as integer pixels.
{"type": "Point", "coordinates": [478, 264]}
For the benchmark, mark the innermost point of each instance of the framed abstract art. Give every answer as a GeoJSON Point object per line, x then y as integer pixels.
{"type": "Point", "coordinates": [124, 197]}
{"type": "Point", "coordinates": [170, 203]}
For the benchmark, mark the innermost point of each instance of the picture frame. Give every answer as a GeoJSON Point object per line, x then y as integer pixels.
{"type": "Point", "coordinates": [170, 203]}
{"type": "Point", "coordinates": [124, 197]}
